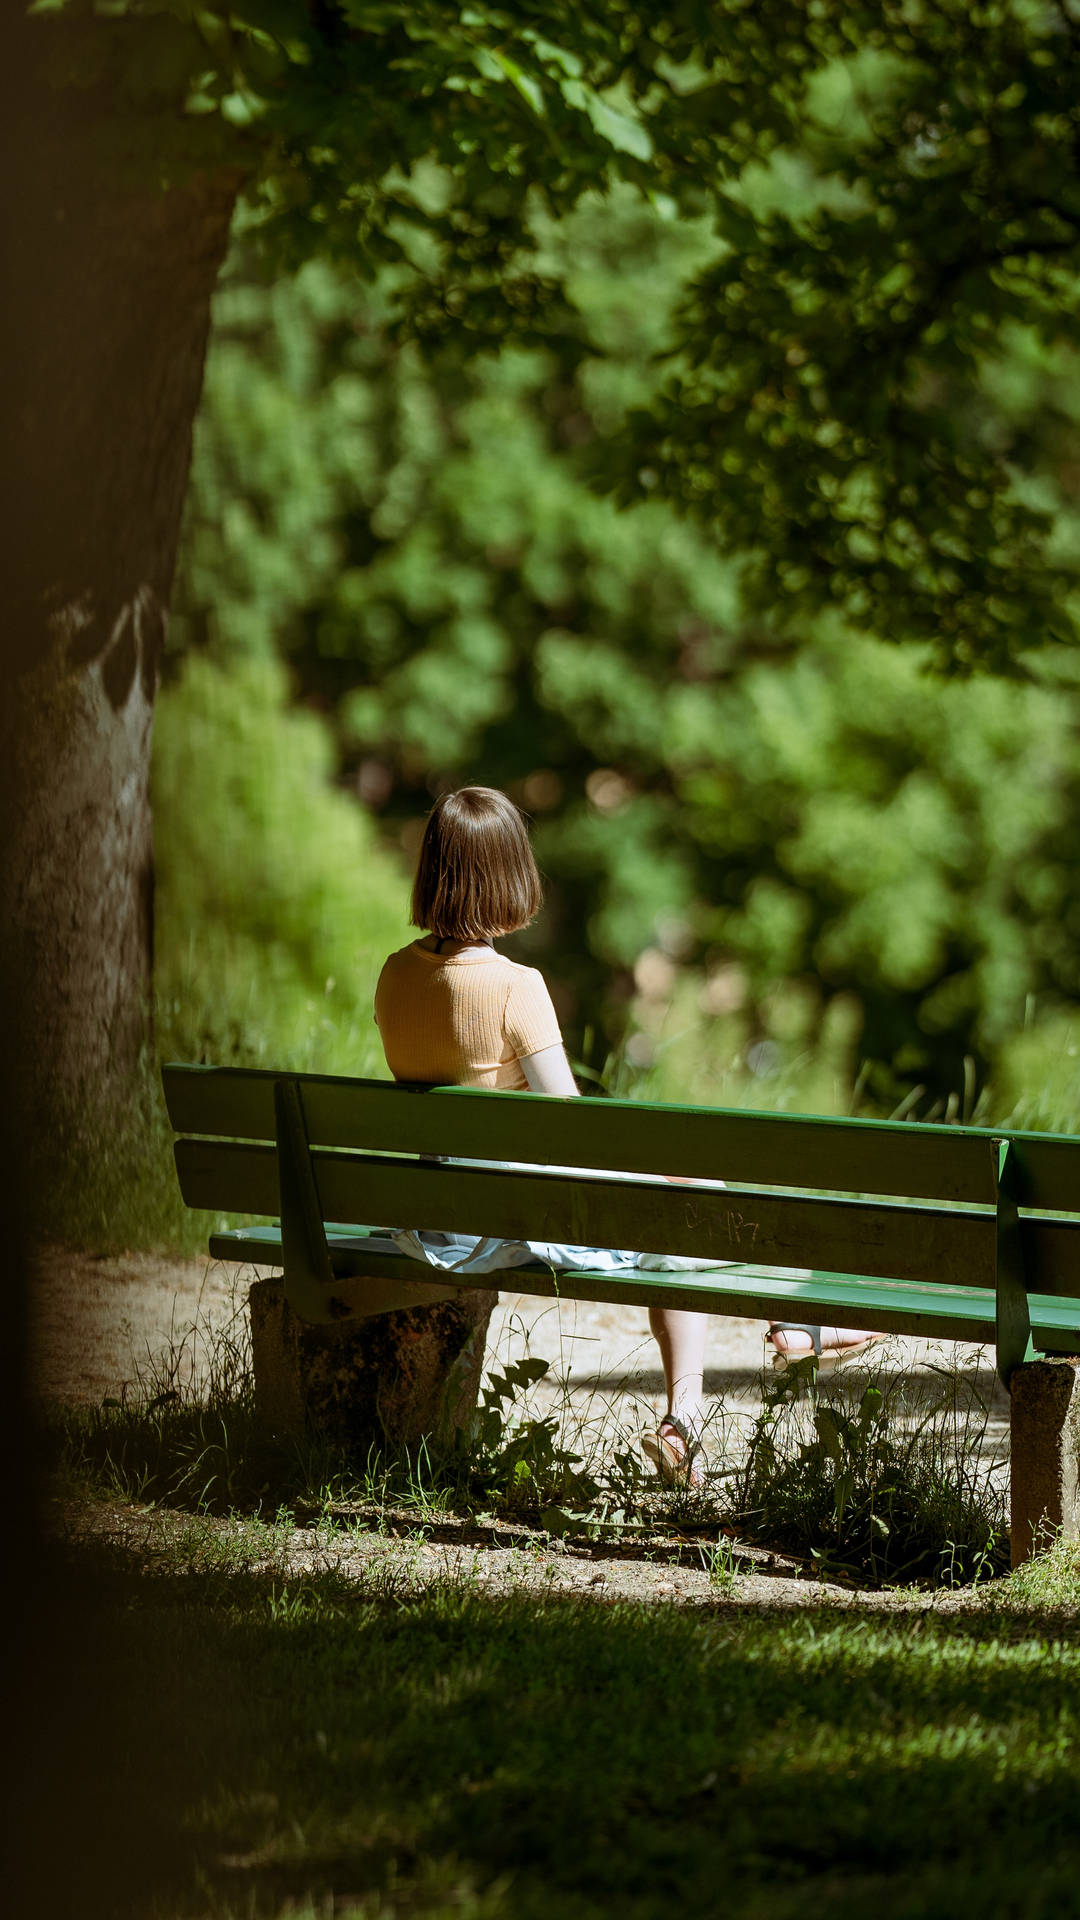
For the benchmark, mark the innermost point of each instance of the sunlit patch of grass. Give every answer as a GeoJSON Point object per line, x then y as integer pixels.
{"type": "Point", "coordinates": [251, 1743]}
{"type": "Point", "coordinates": [1050, 1580]}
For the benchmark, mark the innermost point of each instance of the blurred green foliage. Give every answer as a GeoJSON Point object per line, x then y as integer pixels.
{"type": "Point", "coordinates": [728, 823]}
{"type": "Point", "coordinates": [1037, 1077]}
{"type": "Point", "coordinates": [275, 904]}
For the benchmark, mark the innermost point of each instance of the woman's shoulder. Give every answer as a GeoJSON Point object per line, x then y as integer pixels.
{"type": "Point", "coordinates": [519, 973]}
{"type": "Point", "coordinates": [526, 989]}
{"type": "Point", "coordinates": [402, 960]}
{"type": "Point", "coordinates": [529, 1015]}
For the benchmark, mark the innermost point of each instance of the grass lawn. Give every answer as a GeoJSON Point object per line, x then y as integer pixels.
{"type": "Point", "coordinates": [234, 1744]}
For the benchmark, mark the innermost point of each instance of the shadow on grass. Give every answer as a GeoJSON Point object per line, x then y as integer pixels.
{"type": "Point", "coordinates": [238, 1744]}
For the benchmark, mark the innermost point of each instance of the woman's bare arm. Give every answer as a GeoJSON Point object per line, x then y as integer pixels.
{"type": "Point", "coordinates": [549, 1071]}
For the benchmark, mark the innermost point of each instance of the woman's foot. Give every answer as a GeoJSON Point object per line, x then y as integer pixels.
{"type": "Point", "coordinates": [794, 1341]}
{"type": "Point", "coordinates": [676, 1453]}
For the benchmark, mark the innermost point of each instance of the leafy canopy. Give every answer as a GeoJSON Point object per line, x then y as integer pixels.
{"type": "Point", "coordinates": [834, 415]}
{"type": "Point", "coordinates": [831, 415]}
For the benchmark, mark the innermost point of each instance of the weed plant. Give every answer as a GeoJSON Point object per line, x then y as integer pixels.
{"type": "Point", "coordinates": [517, 1459]}
{"type": "Point", "coordinates": [1048, 1582]}
{"type": "Point", "coordinates": [898, 1485]}
{"type": "Point", "coordinates": [721, 1563]}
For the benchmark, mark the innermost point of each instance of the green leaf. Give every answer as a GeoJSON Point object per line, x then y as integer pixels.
{"type": "Point", "coordinates": [828, 1433]}
{"type": "Point", "coordinates": [528, 87]}
{"type": "Point", "coordinates": [623, 131]}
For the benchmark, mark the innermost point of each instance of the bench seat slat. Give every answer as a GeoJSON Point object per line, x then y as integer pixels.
{"type": "Point", "coordinates": [749, 1291]}
{"type": "Point", "coordinates": [917, 1244]}
{"type": "Point", "coordinates": [852, 1156]}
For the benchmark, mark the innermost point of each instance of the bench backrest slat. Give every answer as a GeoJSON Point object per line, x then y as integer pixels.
{"type": "Point", "coordinates": [850, 1156]}
{"type": "Point", "coordinates": [904, 1243]}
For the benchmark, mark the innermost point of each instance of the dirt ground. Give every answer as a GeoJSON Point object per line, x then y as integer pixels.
{"type": "Point", "coordinates": [102, 1321]}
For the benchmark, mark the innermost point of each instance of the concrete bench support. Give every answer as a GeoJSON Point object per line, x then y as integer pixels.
{"type": "Point", "coordinates": [1045, 1423]}
{"type": "Point", "coordinates": [388, 1379]}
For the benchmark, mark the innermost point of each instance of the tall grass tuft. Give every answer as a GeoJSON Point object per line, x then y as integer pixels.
{"type": "Point", "coordinates": [182, 1431]}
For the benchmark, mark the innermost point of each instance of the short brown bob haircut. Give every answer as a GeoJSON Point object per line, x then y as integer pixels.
{"type": "Point", "coordinates": [476, 876]}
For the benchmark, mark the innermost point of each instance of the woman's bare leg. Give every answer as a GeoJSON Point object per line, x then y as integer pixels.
{"type": "Point", "coordinates": [681, 1339]}
{"type": "Point", "coordinates": [831, 1338]}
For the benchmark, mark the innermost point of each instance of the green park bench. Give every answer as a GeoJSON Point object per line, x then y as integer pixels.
{"type": "Point", "coordinates": [954, 1233]}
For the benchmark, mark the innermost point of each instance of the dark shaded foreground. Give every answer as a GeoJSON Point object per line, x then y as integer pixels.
{"type": "Point", "coordinates": [226, 1744]}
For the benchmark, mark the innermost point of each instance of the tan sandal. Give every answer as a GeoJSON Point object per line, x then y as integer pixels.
{"type": "Point", "coordinates": [676, 1455]}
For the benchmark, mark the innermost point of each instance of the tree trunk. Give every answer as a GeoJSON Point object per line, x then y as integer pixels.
{"type": "Point", "coordinates": [109, 286]}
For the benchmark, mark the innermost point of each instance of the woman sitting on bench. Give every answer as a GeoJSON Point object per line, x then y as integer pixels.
{"type": "Point", "coordinates": [453, 1012]}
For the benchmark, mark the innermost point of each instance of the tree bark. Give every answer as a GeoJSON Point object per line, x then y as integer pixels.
{"type": "Point", "coordinates": [109, 285]}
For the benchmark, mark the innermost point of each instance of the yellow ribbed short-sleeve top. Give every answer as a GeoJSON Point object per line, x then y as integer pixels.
{"type": "Point", "coordinates": [462, 1019]}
